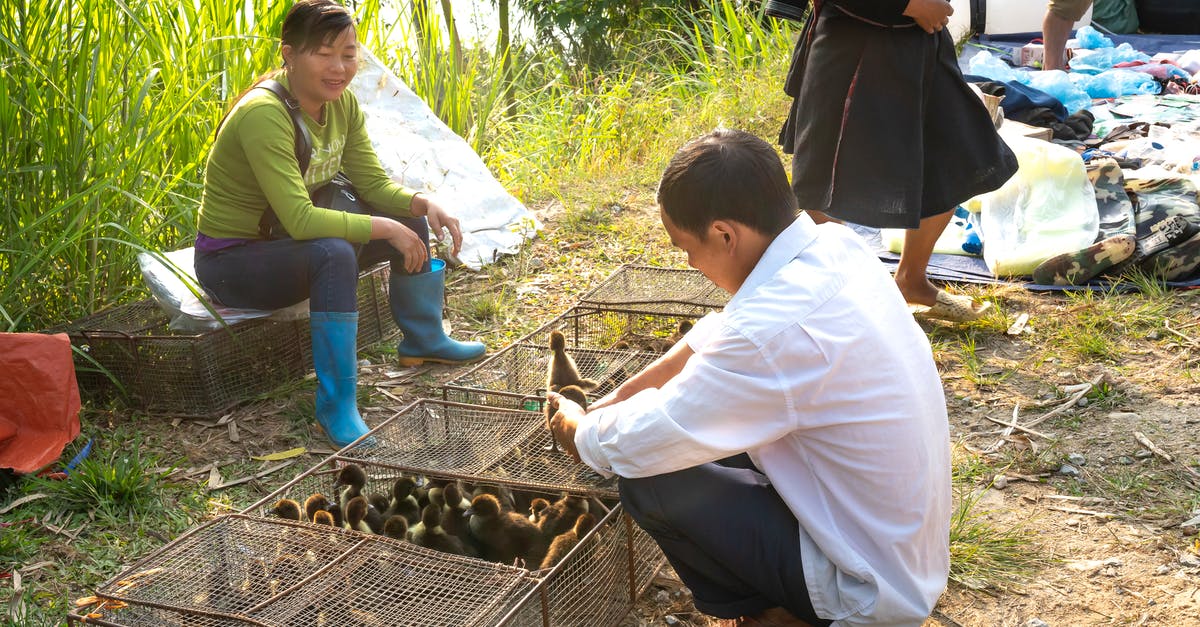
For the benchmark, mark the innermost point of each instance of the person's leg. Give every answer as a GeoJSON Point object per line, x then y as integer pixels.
{"type": "Point", "coordinates": [729, 536]}
{"type": "Point", "coordinates": [416, 301]}
{"type": "Point", "coordinates": [911, 273]}
{"type": "Point", "coordinates": [1055, 32]}
{"type": "Point", "coordinates": [278, 273]}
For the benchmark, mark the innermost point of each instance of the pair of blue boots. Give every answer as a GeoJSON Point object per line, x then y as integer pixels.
{"type": "Point", "coordinates": [416, 303]}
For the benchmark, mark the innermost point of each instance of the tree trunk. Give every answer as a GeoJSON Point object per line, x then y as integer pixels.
{"type": "Point", "coordinates": [503, 48]}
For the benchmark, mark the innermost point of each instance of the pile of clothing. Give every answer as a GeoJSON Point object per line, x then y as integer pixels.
{"type": "Point", "coordinates": [1134, 122]}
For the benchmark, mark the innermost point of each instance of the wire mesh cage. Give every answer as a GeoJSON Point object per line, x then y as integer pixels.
{"type": "Point", "coordinates": [595, 584]}
{"type": "Point", "coordinates": [130, 350]}
{"type": "Point", "coordinates": [448, 440]}
{"type": "Point", "coordinates": [607, 345]}
{"type": "Point", "coordinates": [666, 291]}
{"type": "Point", "coordinates": [243, 570]}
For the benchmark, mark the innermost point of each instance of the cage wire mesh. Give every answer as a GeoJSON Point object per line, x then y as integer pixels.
{"type": "Point", "coordinates": [242, 570]}
{"type": "Point", "coordinates": [594, 585]}
{"type": "Point", "coordinates": [130, 350]}
{"type": "Point", "coordinates": [608, 346]}
{"type": "Point", "coordinates": [666, 291]}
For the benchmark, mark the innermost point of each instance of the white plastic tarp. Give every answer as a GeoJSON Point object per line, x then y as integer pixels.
{"type": "Point", "coordinates": [422, 153]}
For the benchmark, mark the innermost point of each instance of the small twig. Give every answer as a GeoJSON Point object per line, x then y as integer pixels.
{"type": "Point", "coordinates": [1080, 390]}
{"type": "Point", "coordinates": [1190, 341]}
{"type": "Point", "coordinates": [249, 478]}
{"type": "Point", "coordinates": [388, 394]}
{"type": "Point", "coordinates": [21, 501]}
{"type": "Point", "coordinates": [1085, 512]}
{"type": "Point", "coordinates": [1019, 428]}
{"type": "Point", "coordinates": [1152, 447]}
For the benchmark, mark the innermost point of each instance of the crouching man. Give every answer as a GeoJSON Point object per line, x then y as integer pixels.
{"type": "Point", "coordinates": [791, 454]}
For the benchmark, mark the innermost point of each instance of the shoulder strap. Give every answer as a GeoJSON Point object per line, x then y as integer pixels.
{"type": "Point", "coordinates": [303, 137]}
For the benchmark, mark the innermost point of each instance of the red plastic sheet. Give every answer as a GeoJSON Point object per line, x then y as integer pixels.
{"type": "Point", "coordinates": [39, 399]}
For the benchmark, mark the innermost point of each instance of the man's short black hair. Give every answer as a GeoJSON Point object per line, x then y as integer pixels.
{"type": "Point", "coordinates": [727, 175]}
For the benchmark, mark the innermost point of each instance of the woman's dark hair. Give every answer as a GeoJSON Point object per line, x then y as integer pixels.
{"type": "Point", "coordinates": [311, 24]}
{"type": "Point", "coordinates": [727, 175]}
{"type": "Point", "coordinates": [308, 25]}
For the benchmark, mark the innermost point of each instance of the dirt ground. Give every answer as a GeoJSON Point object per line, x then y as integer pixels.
{"type": "Point", "coordinates": [1111, 527]}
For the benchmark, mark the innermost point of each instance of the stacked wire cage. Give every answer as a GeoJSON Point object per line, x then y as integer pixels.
{"type": "Point", "coordinates": [254, 569]}
{"type": "Point", "coordinates": [130, 351]}
{"type": "Point", "coordinates": [617, 329]}
{"type": "Point", "coordinates": [239, 570]}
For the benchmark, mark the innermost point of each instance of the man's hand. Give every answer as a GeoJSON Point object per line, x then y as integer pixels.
{"type": "Point", "coordinates": [564, 422]}
{"type": "Point", "coordinates": [931, 15]}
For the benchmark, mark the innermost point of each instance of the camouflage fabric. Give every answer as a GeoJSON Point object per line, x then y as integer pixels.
{"type": "Point", "coordinates": [1112, 201]}
{"type": "Point", "coordinates": [1083, 265]}
{"type": "Point", "coordinates": [1168, 216]}
{"type": "Point", "coordinates": [1177, 261]}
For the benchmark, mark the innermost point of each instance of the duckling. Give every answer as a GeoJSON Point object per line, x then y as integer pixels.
{"type": "Point", "coordinates": [286, 509]}
{"type": "Point", "coordinates": [323, 517]}
{"type": "Point", "coordinates": [535, 509]}
{"type": "Point", "coordinates": [504, 536]}
{"type": "Point", "coordinates": [351, 478]}
{"type": "Point", "coordinates": [571, 392]}
{"type": "Point", "coordinates": [313, 504]}
{"type": "Point", "coordinates": [437, 496]}
{"type": "Point", "coordinates": [561, 371]}
{"type": "Point", "coordinates": [431, 535]}
{"type": "Point", "coordinates": [403, 502]}
{"type": "Point", "coordinates": [335, 511]}
{"type": "Point", "coordinates": [566, 541]}
{"type": "Point", "coordinates": [502, 494]}
{"type": "Point", "coordinates": [396, 527]}
{"type": "Point", "coordinates": [561, 515]}
{"type": "Point", "coordinates": [356, 513]}
{"type": "Point", "coordinates": [454, 519]}
{"type": "Point", "coordinates": [379, 502]}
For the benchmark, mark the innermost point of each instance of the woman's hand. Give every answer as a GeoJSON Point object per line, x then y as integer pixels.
{"type": "Point", "coordinates": [930, 15]}
{"type": "Point", "coordinates": [439, 218]}
{"type": "Point", "coordinates": [403, 239]}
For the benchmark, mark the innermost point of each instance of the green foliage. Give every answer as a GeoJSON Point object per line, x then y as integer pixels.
{"type": "Point", "coordinates": [984, 554]}
{"type": "Point", "coordinates": [120, 485]}
{"type": "Point", "coordinates": [105, 122]}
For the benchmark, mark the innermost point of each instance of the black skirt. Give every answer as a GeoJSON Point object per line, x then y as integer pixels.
{"type": "Point", "coordinates": [883, 128]}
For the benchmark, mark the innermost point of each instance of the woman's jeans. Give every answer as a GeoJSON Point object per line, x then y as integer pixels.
{"type": "Point", "coordinates": [273, 274]}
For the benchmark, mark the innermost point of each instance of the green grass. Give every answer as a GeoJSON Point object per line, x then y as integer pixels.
{"type": "Point", "coordinates": [985, 554]}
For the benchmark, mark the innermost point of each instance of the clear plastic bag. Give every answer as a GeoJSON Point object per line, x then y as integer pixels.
{"type": "Point", "coordinates": [1091, 38]}
{"type": "Point", "coordinates": [172, 282]}
{"type": "Point", "coordinates": [1048, 207]}
{"type": "Point", "coordinates": [1096, 61]}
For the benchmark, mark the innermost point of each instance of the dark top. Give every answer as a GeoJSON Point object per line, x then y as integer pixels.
{"type": "Point", "coordinates": [883, 127]}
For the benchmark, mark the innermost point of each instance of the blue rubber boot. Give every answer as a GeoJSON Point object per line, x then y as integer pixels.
{"type": "Point", "coordinates": [335, 358]}
{"type": "Point", "coordinates": [416, 301]}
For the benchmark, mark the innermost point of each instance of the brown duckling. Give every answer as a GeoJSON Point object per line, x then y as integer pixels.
{"type": "Point", "coordinates": [403, 502]}
{"type": "Point", "coordinates": [561, 515]}
{"type": "Point", "coordinates": [561, 371]}
{"type": "Point", "coordinates": [313, 504]}
{"type": "Point", "coordinates": [286, 509]}
{"type": "Point", "coordinates": [358, 510]}
{"type": "Point", "coordinates": [351, 478]}
{"type": "Point", "coordinates": [504, 536]}
{"type": "Point", "coordinates": [323, 517]}
{"type": "Point", "coordinates": [566, 541]}
{"type": "Point", "coordinates": [535, 509]}
{"type": "Point", "coordinates": [396, 527]}
{"type": "Point", "coordinates": [431, 535]}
